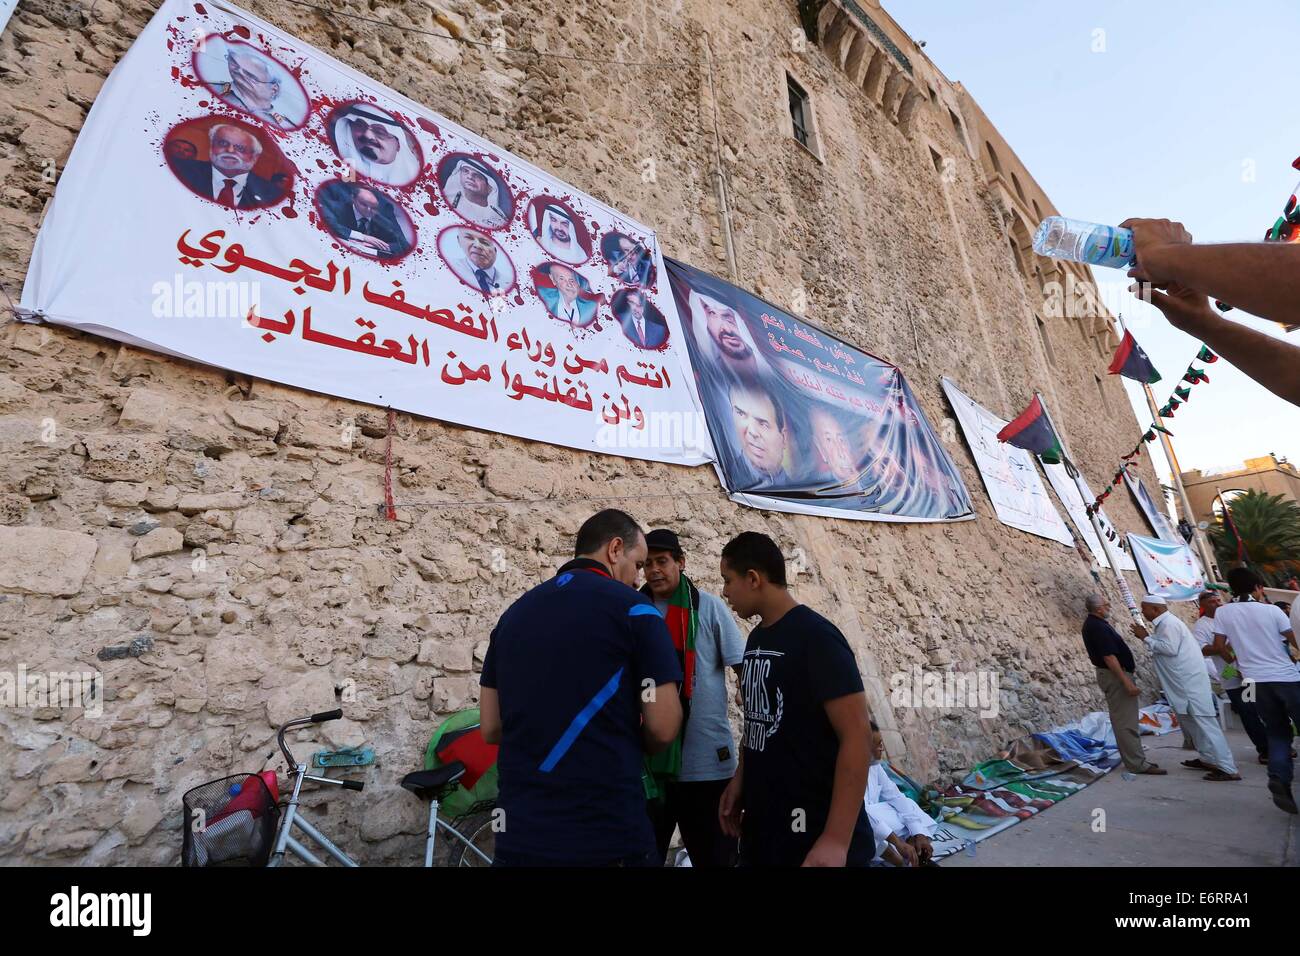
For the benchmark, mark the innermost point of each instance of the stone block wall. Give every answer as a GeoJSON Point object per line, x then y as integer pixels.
{"type": "Point", "coordinates": [215, 547]}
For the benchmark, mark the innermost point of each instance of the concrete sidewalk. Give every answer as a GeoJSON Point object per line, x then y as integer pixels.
{"type": "Point", "coordinates": [1175, 820]}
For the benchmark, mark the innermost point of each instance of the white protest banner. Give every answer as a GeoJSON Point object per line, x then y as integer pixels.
{"type": "Point", "coordinates": [240, 199]}
{"type": "Point", "coordinates": [1167, 568]}
{"type": "Point", "coordinates": [1159, 521]}
{"type": "Point", "coordinates": [1076, 508]}
{"type": "Point", "coordinates": [1018, 495]}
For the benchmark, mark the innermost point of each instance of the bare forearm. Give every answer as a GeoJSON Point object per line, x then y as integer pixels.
{"type": "Point", "coordinates": [1262, 278]}
{"type": "Point", "coordinates": [1268, 360]}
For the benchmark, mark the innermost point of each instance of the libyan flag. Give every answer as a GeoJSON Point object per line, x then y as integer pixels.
{"type": "Point", "coordinates": [1033, 432]}
{"type": "Point", "coordinates": [1131, 362]}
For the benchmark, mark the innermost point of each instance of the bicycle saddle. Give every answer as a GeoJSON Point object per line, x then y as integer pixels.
{"type": "Point", "coordinates": [426, 784]}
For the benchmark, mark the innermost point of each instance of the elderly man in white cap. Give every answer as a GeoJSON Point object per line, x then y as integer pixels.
{"type": "Point", "coordinates": [1181, 669]}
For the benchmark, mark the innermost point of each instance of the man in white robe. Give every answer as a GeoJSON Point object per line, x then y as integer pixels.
{"type": "Point", "coordinates": [1181, 669]}
{"type": "Point", "coordinates": [558, 235]}
{"type": "Point", "coordinates": [474, 193]}
{"type": "Point", "coordinates": [375, 145]}
{"type": "Point", "coordinates": [902, 829]}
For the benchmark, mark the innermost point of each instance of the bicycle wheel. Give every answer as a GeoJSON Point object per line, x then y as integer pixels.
{"type": "Point", "coordinates": [477, 831]}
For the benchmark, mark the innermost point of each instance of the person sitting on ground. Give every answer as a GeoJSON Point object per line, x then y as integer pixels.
{"type": "Point", "coordinates": [902, 828]}
{"type": "Point", "coordinates": [1262, 278]}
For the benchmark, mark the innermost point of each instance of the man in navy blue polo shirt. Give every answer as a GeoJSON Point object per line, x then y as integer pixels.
{"type": "Point", "coordinates": [579, 683]}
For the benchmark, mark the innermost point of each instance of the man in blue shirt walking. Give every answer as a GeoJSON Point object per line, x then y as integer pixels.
{"type": "Point", "coordinates": [579, 683]}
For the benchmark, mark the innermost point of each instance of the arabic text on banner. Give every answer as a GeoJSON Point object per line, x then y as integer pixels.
{"type": "Point", "coordinates": [241, 199]}
{"type": "Point", "coordinates": [1018, 494]}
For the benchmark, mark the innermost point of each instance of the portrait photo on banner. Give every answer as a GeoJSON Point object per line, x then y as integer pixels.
{"type": "Point", "coordinates": [475, 191]}
{"type": "Point", "coordinates": [373, 143]}
{"type": "Point", "coordinates": [628, 258]}
{"type": "Point", "coordinates": [798, 415]}
{"type": "Point", "coordinates": [251, 80]}
{"type": "Point", "coordinates": [228, 161]}
{"type": "Point", "coordinates": [559, 230]}
{"type": "Point", "coordinates": [566, 293]}
{"type": "Point", "coordinates": [640, 319]}
{"type": "Point", "coordinates": [477, 260]}
{"type": "Point", "coordinates": [365, 219]}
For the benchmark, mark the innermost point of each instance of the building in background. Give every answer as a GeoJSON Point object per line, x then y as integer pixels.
{"type": "Point", "coordinates": [808, 151]}
{"type": "Point", "coordinates": [1270, 475]}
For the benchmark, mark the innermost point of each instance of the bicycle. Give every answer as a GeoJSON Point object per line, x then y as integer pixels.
{"type": "Point", "coordinates": [231, 822]}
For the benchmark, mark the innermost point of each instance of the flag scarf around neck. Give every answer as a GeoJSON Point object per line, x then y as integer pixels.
{"type": "Point", "coordinates": [1132, 362]}
{"type": "Point", "coordinates": [683, 620]}
{"type": "Point", "coordinates": [1032, 431]}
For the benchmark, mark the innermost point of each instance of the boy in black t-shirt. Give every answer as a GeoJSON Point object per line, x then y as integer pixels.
{"type": "Point", "coordinates": [798, 796]}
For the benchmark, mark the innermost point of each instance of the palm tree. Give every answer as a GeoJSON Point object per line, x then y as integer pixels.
{"type": "Point", "coordinates": [1269, 526]}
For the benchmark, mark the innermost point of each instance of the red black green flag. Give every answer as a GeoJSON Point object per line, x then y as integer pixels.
{"type": "Point", "coordinates": [1231, 527]}
{"type": "Point", "coordinates": [1205, 355]}
{"type": "Point", "coordinates": [1033, 432]}
{"type": "Point", "coordinates": [1195, 375]}
{"type": "Point", "coordinates": [1131, 362]}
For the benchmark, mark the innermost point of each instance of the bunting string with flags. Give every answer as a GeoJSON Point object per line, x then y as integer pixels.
{"type": "Point", "coordinates": [1181, 395]}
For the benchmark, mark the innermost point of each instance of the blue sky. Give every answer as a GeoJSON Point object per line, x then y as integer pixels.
{"type": "Point", "coordinates": [1189, 113]}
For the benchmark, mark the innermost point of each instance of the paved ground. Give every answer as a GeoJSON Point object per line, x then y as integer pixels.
{"type": "Point", "coordinates": [1175, 820]}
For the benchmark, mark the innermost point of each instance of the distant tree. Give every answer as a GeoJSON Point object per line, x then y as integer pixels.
{"type": "Point", "coordinates": [1269, 526]}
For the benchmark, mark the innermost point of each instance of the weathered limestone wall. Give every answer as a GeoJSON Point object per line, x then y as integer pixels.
{"type": "Point", "coordinates": [221, 536]}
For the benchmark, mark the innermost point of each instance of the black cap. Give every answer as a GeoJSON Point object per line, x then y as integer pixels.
{"type": "Point", "coordinates": [661, 539]}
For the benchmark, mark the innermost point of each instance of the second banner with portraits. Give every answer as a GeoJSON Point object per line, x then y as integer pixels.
{"type": "Point", "coordinates": [804, 422]}
{"type": "Point", "coordinates": [239, 198]}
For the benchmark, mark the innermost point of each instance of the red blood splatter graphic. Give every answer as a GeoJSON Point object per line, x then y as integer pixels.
{"type": "Point", "coordinates": [289, 212]}
{"type": "Point", "coordinates": [241, 31]}
{"type": "Point", "coordinates": [200, 10]}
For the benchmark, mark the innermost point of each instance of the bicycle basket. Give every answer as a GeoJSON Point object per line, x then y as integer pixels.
{"type": "Point", "coordinates": [231, 821]}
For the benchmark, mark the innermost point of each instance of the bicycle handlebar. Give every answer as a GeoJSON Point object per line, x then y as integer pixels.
{"type": "Point", "coordinates": [299, 722]}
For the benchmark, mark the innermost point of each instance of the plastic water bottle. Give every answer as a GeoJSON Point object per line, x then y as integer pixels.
{"type": "Point", "coordinates": [1088, 242]}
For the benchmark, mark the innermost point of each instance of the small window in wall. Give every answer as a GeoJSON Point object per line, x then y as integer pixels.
{"type": "Point", "coordinates": [993, 157]}
{"type": "Point", "coordinates": [800, 113]}
{"type": "Point", "coordinates": [956, 123]}
{"type": "Point", "coordinates": [1038, 213]}
{"type": "Point", "coordinates": [937, 160]}
{"type": "Point", "coordinates": [1019, 192]}
{"type": "Point", "coordinates": [1015, 257]}
{"type": "Point", "coordinates": [1046, 340]}
{"type": "Point", "coordinates": [1101, 390]}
